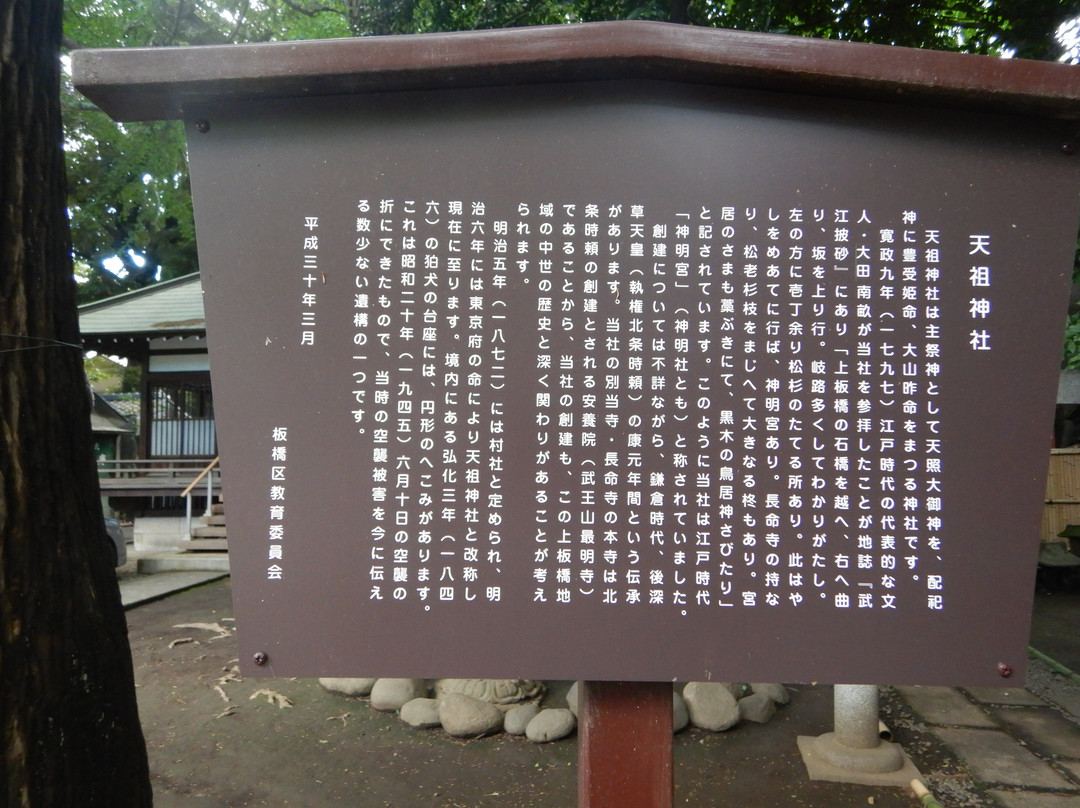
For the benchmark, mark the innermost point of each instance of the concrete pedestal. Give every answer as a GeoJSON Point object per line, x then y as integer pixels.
{"type": "Point", "coordinates": [854, 751]}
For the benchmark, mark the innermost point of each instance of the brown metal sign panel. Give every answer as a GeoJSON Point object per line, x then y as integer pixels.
{"type": "Point", "coordinates": [156, 83]}
{"type": "Point", "coordinates": [632, 380]}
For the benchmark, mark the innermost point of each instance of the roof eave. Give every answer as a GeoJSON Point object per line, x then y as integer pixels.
{"type": "Point", "coordinates": [161, 83]}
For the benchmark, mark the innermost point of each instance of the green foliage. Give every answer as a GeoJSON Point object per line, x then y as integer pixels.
{"type": "Point", "coordinates": [1071, 351]}
{"type": "Point", "coordinates": [131, 382]}
{"type": "Point", "coordinates": [104, 375]}
{"type": "Point", "coordinates": [1026, 27]}
{"type": "Point", "coordinates": [155, 23]}
{"type": "Point", "coordinates": [1070, 359]}
{"type": "Point", "coordinates": [129, 185]}
{"type": "Point", "coordinates": [128, 191]}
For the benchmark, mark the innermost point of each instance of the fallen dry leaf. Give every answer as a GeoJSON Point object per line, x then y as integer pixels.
{"type": "Point", "coordinates": [215, 627]}
{"type": "Point", "coordinates": [273, 697]}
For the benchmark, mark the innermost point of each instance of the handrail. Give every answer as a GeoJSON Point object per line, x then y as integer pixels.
{"type": "Point", "coordinates": [202, 474]}
{"type": "Point", "coordinates": [209, 492]}
{"type": "Point", "coordinates": [163, 468]}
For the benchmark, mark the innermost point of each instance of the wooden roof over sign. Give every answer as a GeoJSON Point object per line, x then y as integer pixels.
{"type": "Point", "coordinates": [157, 83]}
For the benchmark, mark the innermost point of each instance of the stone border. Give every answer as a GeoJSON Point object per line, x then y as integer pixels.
{"type": "Point", "coordinates": [474, 708]}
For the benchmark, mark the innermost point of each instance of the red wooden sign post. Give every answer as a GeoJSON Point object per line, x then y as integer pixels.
{"type": "Point", "coordinates": [624, 745]}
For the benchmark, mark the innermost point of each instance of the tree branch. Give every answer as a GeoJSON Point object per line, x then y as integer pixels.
{"type": "Point", "coordinates": [241, 18]}
{"type": "Point", "coordinates": [309, 12]}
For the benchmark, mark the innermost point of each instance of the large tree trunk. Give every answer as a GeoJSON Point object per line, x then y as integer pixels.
{"type": "Point", "coordinates": [71, 733]}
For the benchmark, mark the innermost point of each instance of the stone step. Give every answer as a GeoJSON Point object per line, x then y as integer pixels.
{"type": "Point", "coordinates": [217, 508]}
{"type": "Point", "coordinates": [183, 562]}
{"type": "Point", "coordinates": [210, 532]}
{"type": "Point", "coordinates": [217, 520]}
{"type": "Point", "coordinates": [196, 545]}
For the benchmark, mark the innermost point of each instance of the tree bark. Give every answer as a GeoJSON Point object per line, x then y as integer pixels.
{"type": "Point", "coordinates": [71, 734]}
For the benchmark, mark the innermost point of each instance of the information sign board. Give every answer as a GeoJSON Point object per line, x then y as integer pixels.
{"type": "Point", "coordinates": [632, 379]}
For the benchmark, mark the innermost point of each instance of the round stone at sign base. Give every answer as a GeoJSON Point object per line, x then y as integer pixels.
{"type": "Point", "coordinates": [421, 713]}
{"type": "Point", "coordinates": [518, 717]}
{"type": "Point", "coordinates": [551, 725]}
{"type": "Point", "coordinates": [392, 694]}
{"type": "Point", "coordinates": [467, 717]}
{"type": "Point", "coordinates": [711, 705]}
{"type": "Point", "coordinates": [885, 764]}
{"type": "Point", "coordinates": [572, 699]}
{"type": "Point", "coordinates": [348, 687]}
{"type": "Point", "coordinates": [756, 707]}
